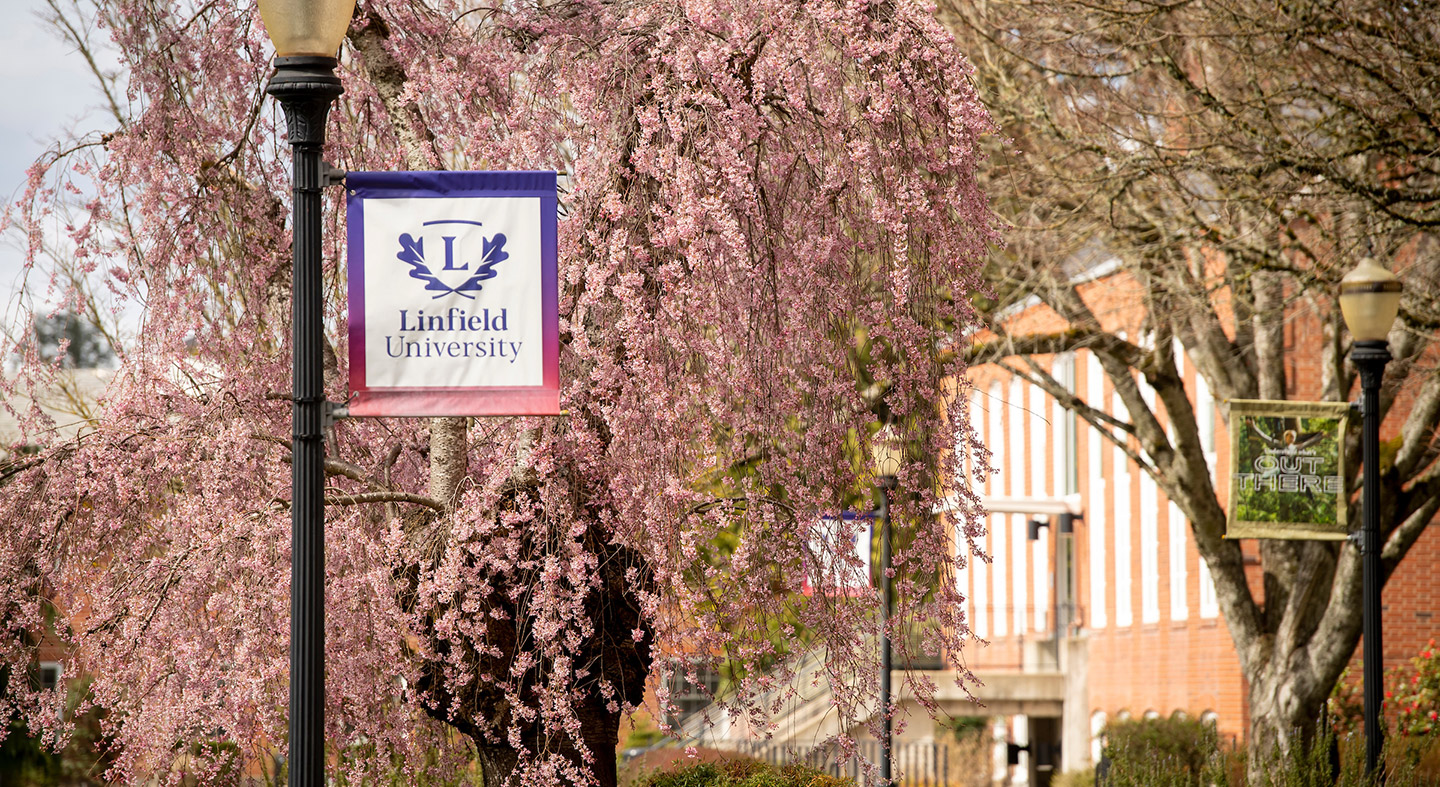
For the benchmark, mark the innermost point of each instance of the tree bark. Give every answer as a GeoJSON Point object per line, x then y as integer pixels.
{"type": "Point", "coordinates": [481, 710]}
{"type": "Point", "coordinates": [1287, 696]}
{"type": "Point", "coordinates": [448, 444]}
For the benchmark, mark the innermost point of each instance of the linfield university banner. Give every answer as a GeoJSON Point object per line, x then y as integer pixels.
{"type": "Point", "coordinates": [1287, 477]}
{"type": "Point", "coordinates": [453, 306]}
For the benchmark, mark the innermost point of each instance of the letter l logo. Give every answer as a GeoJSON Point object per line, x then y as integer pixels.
{"type": "Point", "coordinates": [450, 256]}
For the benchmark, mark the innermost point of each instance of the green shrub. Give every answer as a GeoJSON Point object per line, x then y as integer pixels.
{"type": "Point", "coordinates": [1161, 752]}
{"type": "Point", "coordinates": [1415, 695]}
{"type": "Point", "coordinates": [25, 760]}
{"type": "Point", "coordinates": [1081, 778]}
{"type": "Point", "coordinates": [743, 773]}
{"type": "Point", "coordinates": [1180, 753]}
{"type": "Point", "coordinates": [965, 728]}
{"type": "Point", "coordinates": [1412, 698]}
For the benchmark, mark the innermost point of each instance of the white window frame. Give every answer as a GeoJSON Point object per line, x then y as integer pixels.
{"type": "Point", "coordinates": [1209, 601]}
{"type": "Point", "coordinates": [1124, 579]}
{"type": "Point", "coordinates": [1039, 487]}
{"type": "Point", "coordinates": [979, 574]}
{"type": "Point", "coordinates": [1207, 423]}
{"type": "Point", "coordinates": [1098, 617]}
{"type": "Point", "coordinates": [1149, 516]}
{"type": "Point", "coordinates": [1098, 720]}
{"type": "Point", "coordinates": [1179, 560]}
{"type": "Point", "coordinates": [55, 666]}
{"type": "Point", "coordinates": [997, 524]}
{"type": "Point", "coordinates": [1018, 527]}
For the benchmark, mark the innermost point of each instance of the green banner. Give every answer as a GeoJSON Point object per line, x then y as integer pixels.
{"type": "Point", "coordinates": [1287, 477]}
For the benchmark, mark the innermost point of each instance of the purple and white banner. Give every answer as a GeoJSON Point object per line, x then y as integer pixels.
{"type": "Point", "coordinates": [453, 307]}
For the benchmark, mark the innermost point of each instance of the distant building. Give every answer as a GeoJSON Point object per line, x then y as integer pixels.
{"type": "Point", "coordinates": [1095, 604]}
{"type": "Point", "coordinates": [1114, 600]}
{"type": "Point", "coordinates": [70, 402]}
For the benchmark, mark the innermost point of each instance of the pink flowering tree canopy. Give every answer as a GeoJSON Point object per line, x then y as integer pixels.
{"type": "Point", "coordinates": [771, 228]}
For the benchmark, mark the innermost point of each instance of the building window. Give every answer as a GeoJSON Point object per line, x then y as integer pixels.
{"type": "Point", "coordinates": [46, 675]}
{"type": "Point", "coordinates": [1205, 416]}
{"type": "Point", "coordinates": [1149, 533]}
{"type": "Point", "coordinates": [1039, 486]}
{"type": "Point", "coordinates": [1209, 602]}
{"type": "Point", "coordinates": [980, 598]}
{"type": "Point", "coordinates": [972, 583]}
{"type": "Point", "coordinates": [1095, 510]}
{"type": "Point", "coordinates": [962, 582]}
{"type": "Point", "coordinates": [1018, 560]}
{"type": "Point", "coordinates": [1179, 604]}
{"type": "Point", "coordinates": [1066, 474]}
{"type": "Point", "coordinates": [1124, 597]}
{"type": "Point", "coordinates": [1149, 550]}
{"type": "Point", "coordinates": [1067, 469]}
{"type": "Point", "coordinates": [963, 554]}
{"type": "Point", "coordinates": [997, 523]}
{"type": "Point", "coordinates": [1097, 735]}
{"type": "Point", "coordinates": [980, 575]}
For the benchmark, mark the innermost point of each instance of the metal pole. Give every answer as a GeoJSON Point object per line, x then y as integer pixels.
{"type": "Point", "coordinates": [886, 484]}
{"type": "Point", "coordinates": [305, 87]}
{"type": "Point", "coordinates": [1370, 357]}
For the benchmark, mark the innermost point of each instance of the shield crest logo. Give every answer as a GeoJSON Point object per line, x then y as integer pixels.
{"type": "Point", "coordinates": [461, 256]}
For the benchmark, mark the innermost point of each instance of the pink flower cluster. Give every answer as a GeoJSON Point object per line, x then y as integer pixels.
{"type": "Point", "coordinates": [771, 227]}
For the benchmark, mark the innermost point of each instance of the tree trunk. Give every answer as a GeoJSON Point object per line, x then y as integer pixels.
{"type": "Point", "coordinates": [481, 709]}
{"type": "Point", "coordinates": [1287, 701]}
{"type": "Point", "coordinates": [600, 730]}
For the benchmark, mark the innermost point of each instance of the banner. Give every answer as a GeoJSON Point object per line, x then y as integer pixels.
{"type": "Point", "coordinates": [453, 307]}
{"type": "Point", "coordinates": [1287, 477]}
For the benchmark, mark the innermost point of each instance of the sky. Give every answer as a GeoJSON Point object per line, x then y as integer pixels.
{"type": "Point", "coordinates": [49, 92]}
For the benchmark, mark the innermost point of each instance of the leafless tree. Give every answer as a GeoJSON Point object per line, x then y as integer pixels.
{"type": "Point", "coordinates": [1235, 158]}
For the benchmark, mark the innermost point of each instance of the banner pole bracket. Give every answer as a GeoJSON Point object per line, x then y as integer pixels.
{"type": "Point", "coordinates": [332, 412]}
{"type": "Point", "coordinates": [332, 175]}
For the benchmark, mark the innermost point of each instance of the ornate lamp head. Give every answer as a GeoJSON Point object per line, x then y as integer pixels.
{"type": "Point", "coordinates": [1369, 300]}
{"type": "Point", "coordinates": [306, 27]}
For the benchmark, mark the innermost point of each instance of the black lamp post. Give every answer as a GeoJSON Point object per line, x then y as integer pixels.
{"type": "Point", "coordinates": [887, 456]}
{"type": "Point", "coordinates": [306, 35]}
{"type": "Point", "coordinates": [1369, 300]}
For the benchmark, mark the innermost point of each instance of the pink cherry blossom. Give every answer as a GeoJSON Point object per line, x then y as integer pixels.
{"type": "Point", "coordinates": [771, 229]}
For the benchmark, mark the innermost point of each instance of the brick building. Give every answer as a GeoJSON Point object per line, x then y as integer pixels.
{"type": "Point", "coordinates": [1095, 604]}
{"type": "Point", "coordinates": [1110, 595]}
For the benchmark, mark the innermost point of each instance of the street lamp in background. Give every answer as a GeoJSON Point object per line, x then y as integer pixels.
{"type": "Point", "coordinates": [1369, 300]}
{"type": "Point", "coordinates": [887, 455]}
{"type": "Point", "coordinates": [306, 35]}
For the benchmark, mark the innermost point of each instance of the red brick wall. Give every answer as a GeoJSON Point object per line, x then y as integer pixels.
{"type": "Point", "coordinates": [1188, 665]}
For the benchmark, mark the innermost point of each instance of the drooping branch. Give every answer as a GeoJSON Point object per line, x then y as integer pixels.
{"type": "Point", "coordinates": [334, 467]}
{"type": "Point", "coordinates": [370, 36]}
{"type": "Point", "coordinates": [361, 498]}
